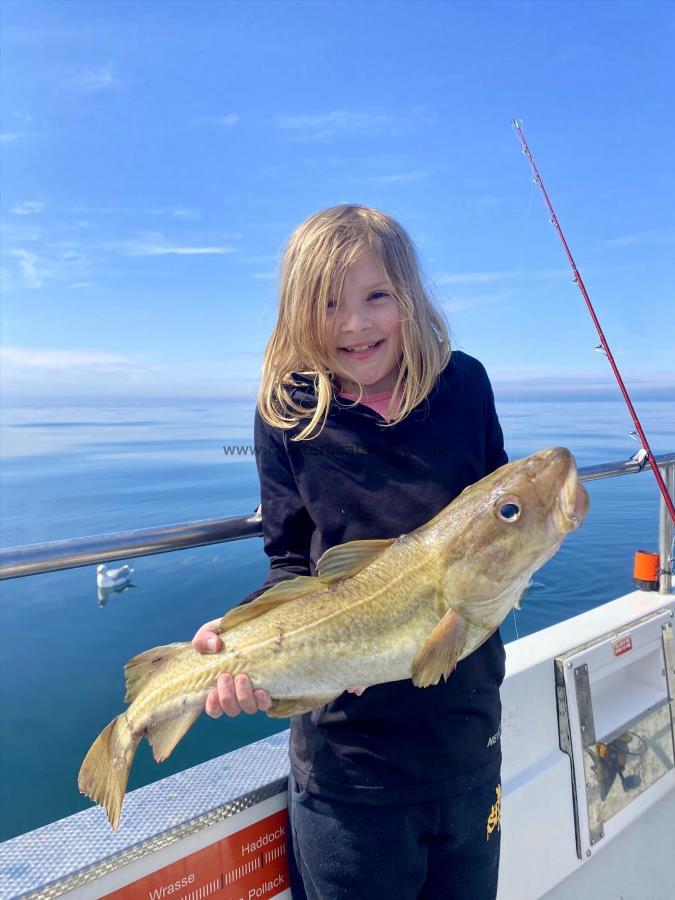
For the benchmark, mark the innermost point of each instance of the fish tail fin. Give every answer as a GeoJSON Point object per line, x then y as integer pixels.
{"type": "Point", "coordinates": [105, 770]}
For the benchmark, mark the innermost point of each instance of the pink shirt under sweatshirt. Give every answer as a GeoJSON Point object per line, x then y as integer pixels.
{"type": "Point", "coordinates": [379, 402]}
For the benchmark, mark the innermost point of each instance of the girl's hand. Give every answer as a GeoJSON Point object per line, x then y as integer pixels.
{"type": "Point", "coordinates": [231, 695]}
{"type": "Point", "coordinates": [357, 690]}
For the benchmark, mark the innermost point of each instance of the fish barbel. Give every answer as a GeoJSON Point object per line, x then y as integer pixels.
{"type": "Point", "coordinates": [376, 611]}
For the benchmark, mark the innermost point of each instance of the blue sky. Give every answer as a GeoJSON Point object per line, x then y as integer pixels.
{"type": "Point", "coordinates": [156, 156]}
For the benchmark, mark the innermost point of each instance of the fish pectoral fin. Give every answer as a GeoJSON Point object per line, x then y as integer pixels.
{"type": "Point", "coordinates": [281, 593]}
{"type": "Point", "coordinates": [441, 651]}
{"type": "Point", "coordinates": [282, 709]}
{"type": "Point", "coordinates": [347, 559]}
{"type": "Point", "coordinates": [164, 736]}
{"type": "Point", "coordinates": [139, 670]}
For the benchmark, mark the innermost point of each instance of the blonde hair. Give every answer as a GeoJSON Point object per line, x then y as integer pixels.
{"type": "Point", "coordinates": [313, 270]}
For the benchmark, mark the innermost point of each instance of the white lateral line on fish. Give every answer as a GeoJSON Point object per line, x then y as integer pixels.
{"type": "Point", "coordinates": [343, 609]}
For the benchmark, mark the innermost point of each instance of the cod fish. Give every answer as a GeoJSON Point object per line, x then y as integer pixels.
{"type": "Point", "coordinates": [376, 611]}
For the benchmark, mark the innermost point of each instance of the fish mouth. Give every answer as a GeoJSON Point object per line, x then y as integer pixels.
{"type": "Point", "coordinates": [572, 502]}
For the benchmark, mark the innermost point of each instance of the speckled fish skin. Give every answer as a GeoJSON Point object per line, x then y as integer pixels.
{"type": "Point", "coordinates": [377, 611]}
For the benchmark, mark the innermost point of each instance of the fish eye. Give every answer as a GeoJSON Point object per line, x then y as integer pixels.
{"type": "Point", "coordinates": [508, 509]}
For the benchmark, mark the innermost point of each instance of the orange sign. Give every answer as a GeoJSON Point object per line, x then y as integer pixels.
{"type": "Point", "coordinates": [248, 865]}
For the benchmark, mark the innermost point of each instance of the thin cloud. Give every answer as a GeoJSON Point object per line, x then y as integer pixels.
{"type": "Point", "coordinates": [63, 262]}
{"type": "Point", "coordinates": [462, 303]}
{"type": "Point", "coordinates": [524, 275]}
{"type": "Point", "coordinates": [190, 251]}
{"type": "Point", "coordinates": [262, 259]}
{"type": "Point", "coordinates": [465, 278]}
{"type": "Point", "coordinates": [28, 208]}
{"type": "Point", "coordinates": [11, 137]}
{"type": "Point", "coordinates": [398, 178]}
{"type": "Point", "coordinates": [488, 201]}
{"type": "Point", "coordinates": [453, 278]}
{"type": "Point", "coordinates": [25, 118]}
{"type": "Point", "coordinates": [61, 360]}
{"type": "Point", "coordinates": [306, 127]}
{"type": "Point", "coordinates": [19, 230]}
{"type": "Point", "coordinates": [654, 237]}
{"type": "Point", "coordinates": [140, 249]}
{"type": "Point", "coordinates": [30, 266]}
{"type": "Point", "coordinates": [178, 212]}
{"type": "Point", "coordinates": [539, 383]}
{"type": "Point", "coordinates": [182, 212]}
{"type": "Point", "coordinates": [157, 245]}
{"type": "Point", "coordinates": [626, 241]}
{"type": "Point", "coordinates": [93, 80]}
{"type": "Point", "coordinates": [227, 120]}
{"type": "Point", "coordinates": [94, 371]}
{"type": "Point", "coordinates": [92, 210]}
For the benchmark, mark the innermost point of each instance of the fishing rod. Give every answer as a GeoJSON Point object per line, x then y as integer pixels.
{"type": "Point", "coordinates": [604, 346]}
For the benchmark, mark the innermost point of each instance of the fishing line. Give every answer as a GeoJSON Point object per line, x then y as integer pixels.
{"type": "Point", "coordinates": [515, 623]}
{"type": "Point", "coordinates": [604, 346]}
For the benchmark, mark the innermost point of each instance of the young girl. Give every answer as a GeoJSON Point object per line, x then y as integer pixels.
{"type": "Point", "coordinates": [366, 427]}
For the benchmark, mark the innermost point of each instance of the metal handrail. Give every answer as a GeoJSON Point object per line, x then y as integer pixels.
{"type": "Point", "coordinates": [52, 556]}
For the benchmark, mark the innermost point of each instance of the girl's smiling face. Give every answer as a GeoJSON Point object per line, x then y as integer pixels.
{"type": "Point", "coordinates": [364, 328]}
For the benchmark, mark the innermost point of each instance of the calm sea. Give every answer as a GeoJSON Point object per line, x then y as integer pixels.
{"type": "Point", "coordinates": [69, 472]}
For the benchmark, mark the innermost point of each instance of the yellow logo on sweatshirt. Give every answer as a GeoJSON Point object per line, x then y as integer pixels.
{"type": "Point", "coordinates": [495, 818]}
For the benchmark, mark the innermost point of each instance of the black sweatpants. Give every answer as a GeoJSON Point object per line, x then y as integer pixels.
{"type": "Point", "coordinates": [445, 849]}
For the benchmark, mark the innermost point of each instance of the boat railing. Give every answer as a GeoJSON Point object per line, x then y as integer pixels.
{"type": "Point", "coordinates": [52, 556]}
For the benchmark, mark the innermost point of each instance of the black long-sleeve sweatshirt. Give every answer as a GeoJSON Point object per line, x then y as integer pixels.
{"type": "Point", "coordinates": [396, 743]}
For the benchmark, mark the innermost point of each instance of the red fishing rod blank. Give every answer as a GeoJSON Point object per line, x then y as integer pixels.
{"type": "Point", "coordinates": [518, 125]}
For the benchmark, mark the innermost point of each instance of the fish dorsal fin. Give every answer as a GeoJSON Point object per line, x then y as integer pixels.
{"type": "Point", "coordinates": [275, 596]}
{"type": "Point", "coordinates": [139, 670]}
{"type": "Point", "coordinates": [348, 559]}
